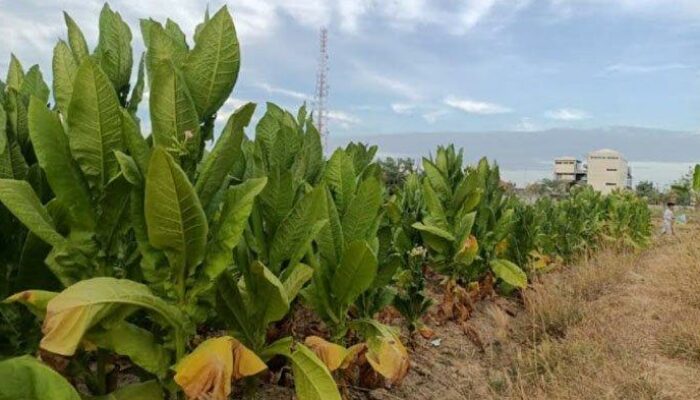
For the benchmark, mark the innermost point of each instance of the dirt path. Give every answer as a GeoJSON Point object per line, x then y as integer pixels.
{"type": "Point", "coordinates": [616, 327]}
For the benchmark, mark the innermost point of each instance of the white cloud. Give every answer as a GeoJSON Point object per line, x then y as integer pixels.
{"type": "Point", "coordinates": [403, 108]}
{"type": "Point", "coordinates": [342, 119]}
{"type": "Point", "coordinates": [566, 114]}
{"type": "Point", "coordinates": [644, 68]}
{"type": "Point", "coordinates": [476, 107]}
{"type": "Point", "coordinates": [285, 92]}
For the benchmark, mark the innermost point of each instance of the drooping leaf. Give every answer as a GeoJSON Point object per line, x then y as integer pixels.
{"type": "Point", "coordinates": [207, 372]}
{"type": "Point", "coordinates": [212, 66]}
{"type": "Point", "coordinates": [19, 197]}
{"type": "Point", "coordinates": [35, 300]}
{"type": "Point", "coordinates": [509, 273]}
{"type": "Point", "coordinates": [64, 176]}
{"type": "Point", "coordinates": [94, 124]}
{"type": "Point", "coordinates": [27, 378]}
{"type": "Point", "coordinates": [76, 39]}
{"type": "Point", "coordinates": [65, 68]}
{"type": "Point", "coordinates": [331, 354]}
{"type": "Point", "coordinates": [355, 274]}
{"type": "Point", "coordinates": [174, 216]}
{"type": "Point", "coordinates": [84, 305]}
{"type": "Point", "coordinates": [269, 297]}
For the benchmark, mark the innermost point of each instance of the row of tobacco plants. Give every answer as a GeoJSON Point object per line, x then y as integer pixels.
{"type": "Point", "coordinates": [195, 261]}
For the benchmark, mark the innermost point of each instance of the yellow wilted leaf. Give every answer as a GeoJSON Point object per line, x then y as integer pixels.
{"type": "Point", "coordinates": [388, 357]}
{"type": "Point", "coordinates": [207, 371]}
{"type": "Point", "coordinates": [468, 250]}
{"type": "Point", "coordinates": [353, 353]}
{"type": "Point", "coordinates": [333, 355]}
{"type": "Point", "coordinates": [35, 300]}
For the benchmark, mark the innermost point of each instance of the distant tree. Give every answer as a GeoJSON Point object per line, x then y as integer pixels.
{"type": "Point", "coordinates": [649, 191]}
{"type": "Point", "coordinates": [682, 190]}
{"type": "Point", "coordinates": [395, 171]}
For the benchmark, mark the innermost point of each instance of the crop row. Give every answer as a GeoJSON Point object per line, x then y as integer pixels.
{"type": "Point", "coordinates": [185, 260]}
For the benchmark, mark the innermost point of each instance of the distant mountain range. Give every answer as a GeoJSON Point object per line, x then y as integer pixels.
{"type": "Point", "coordinates": [535, 150]}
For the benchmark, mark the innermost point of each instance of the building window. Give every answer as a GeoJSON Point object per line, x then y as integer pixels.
{"type": "Point", "coordinates": [610, 184]}
{"type": "Point", "coordinates": [611, 169]}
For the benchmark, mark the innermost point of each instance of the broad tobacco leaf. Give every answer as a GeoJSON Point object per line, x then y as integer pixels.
{"type": "Point", "coordinates": [73, 312]}
{"type": "Point", "coordinates": [29, 379]}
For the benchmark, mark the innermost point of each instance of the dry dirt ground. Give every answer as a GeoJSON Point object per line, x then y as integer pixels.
{"type": "Point", "coordinates": [617, 326]}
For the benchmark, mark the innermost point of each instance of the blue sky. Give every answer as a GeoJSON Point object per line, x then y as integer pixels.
{"type": "Point", "coordinates": [431, 66]}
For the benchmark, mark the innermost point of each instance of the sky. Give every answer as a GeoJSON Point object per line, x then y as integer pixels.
{"type": "Point", "coordinates": [434, 65]}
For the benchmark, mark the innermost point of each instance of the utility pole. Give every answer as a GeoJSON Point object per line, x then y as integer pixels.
{"type": "Point", "coordinates": [321, 96]}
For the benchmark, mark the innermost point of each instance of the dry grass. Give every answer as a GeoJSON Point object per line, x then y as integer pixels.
{"type": "Point", "coordinates": [681, 339]}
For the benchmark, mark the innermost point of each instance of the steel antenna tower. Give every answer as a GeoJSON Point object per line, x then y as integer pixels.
{"type": "Point", "coordinates": [321, 96]}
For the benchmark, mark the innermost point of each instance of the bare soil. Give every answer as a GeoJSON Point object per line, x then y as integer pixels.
{"type": "Point", "coordinates": [617, 326]}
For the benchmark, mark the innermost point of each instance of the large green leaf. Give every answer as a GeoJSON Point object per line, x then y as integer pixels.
{"type": "Point", "coordinates": [15, 74]}
{"type": "Point", "coordinates": [509, 273]}
{"type": "Point", "coordinates": [53, 153]}
{"type": "Point", "coordinates": [174, 216]}
{"type": "Point", "coordinates": [26, 378]}
{"type": "Point", "coordinates": [331, 240]}
{"type": "Point", "coordinates": [268, 297]}
{"type": "Point", "coordinates": [173, 116]}
{"type": "Point", "coordinates": [437, 231]}
{"type": "Point", "coordinates": [76, 39]}
{"type": "Point", "coordinates": [64, 70]}
{"type": "Point", "coordinates": [114, 48]}
{"type": "Point", "coordinates": [162, 47]}
{"type": "Point", "coordinates": [20, 199]}
{"type": "Point", "coordinates": [135, 142]}
{"type": "Point", "coordinates": [212, 66]}
{"type": "Point", "coordinates": [227, 149]}
{"type": "Point", "coordinates": [340, 178]}
{"type": "Point", "coordinates": [312, 380]}
{"type": "Point", "coordinates": [362, 211]}
{"type": "Point", "coordinates": [237, 206]}
{"type": "Point", "coordinates": [94, 124]}
{"type": "Point", "coordinates": [134, 342]}
{"type": "Point", "coordinates": [294, 278]}
{"type": "Point", "coordinates": [137, 91]}
{"type": "Point", "coordinates": [3, 131]}
{"type": "Point", "coordinates": [34, 85]}
{"type": "Point", "coordinates": [355, 273]}
{"type": "Point", "coordinates": [298, 229]}
{"type": "Point", "coordinates": [12, 163]}
{"type": "Point", "coordinates": [17, 116]}
{"type": "Point", "coordinates": [88, 303]}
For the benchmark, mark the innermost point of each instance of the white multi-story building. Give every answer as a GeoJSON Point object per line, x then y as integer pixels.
{"type": "Point", "coordinates": [569, 169]}
{"type": "Point", "coordinates": [608, 170]}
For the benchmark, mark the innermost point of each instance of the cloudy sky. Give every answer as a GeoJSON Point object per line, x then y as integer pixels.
{"type": "Point", "coordinates": [435, 65]}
